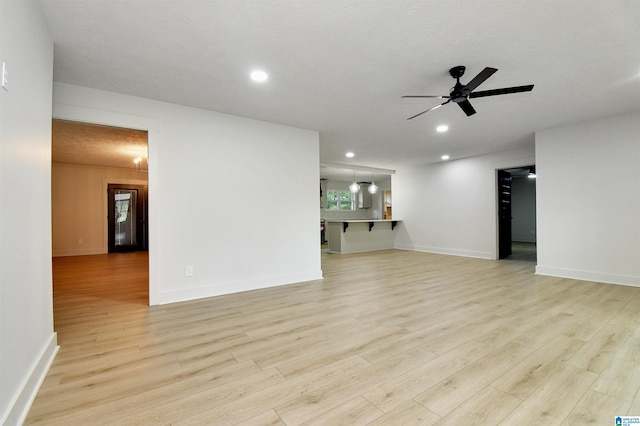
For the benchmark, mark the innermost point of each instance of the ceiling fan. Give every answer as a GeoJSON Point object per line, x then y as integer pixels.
{"type": "Point", "coordinates": [461, 93]}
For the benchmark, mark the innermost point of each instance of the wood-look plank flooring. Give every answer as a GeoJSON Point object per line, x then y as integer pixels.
{"type": "Point", "coordinates": [386, 338]}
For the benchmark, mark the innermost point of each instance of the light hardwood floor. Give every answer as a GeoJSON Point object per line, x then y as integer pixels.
{"type": "Point", "coordinates": [387, 338]}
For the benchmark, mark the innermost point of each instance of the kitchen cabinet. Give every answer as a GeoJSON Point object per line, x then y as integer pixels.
{"type": "Point", "coordinates": [355, 236]}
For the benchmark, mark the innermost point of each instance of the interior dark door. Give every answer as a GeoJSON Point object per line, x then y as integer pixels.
{"type": "Point", "coordinates": [504, 214]}
{"type": "Point", "coordinates": [127, 216]}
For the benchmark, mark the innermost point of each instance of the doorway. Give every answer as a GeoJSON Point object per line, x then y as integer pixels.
{"type": "Point", "coordinates": [504, 214]}
{"type": "Point", "coordinates": [516, 189]}
{"type": "Point", "coordinates": [87, 159]}
{"type": "Point", "coordinates": [127, 218]}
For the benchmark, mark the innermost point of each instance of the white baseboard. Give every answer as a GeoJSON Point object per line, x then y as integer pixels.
{"type": "Point", "coordinates": [230, 287]}
{"type": "Point", "coordinates": [629, 280]}
{"type": "Point", "coordinates": [24, 396]}
{"type": "Point", "coordinates": [440, 250]}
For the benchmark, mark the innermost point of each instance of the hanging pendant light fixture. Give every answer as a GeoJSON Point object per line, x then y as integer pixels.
{"type": "Point", "coordinates": [373, 188]}
{"type": "Point", "coordinates": [354, 187]}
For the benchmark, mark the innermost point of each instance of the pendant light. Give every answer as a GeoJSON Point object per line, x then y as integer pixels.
{"type": "Point", "coordinates": [354, 187]}
{"type": "Point", "coordinates": [373, 188]}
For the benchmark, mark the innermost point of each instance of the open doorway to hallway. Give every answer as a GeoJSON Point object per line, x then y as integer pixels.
{"type": "Point", "coordinates": [517, 213]}
{"type": "Point", "coordinates": [86, 160]}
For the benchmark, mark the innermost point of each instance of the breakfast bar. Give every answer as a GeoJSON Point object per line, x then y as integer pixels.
{"type": "Point", "coordinates": [355, 236]}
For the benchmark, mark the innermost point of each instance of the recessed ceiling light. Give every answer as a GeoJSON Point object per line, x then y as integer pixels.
{"type": "Point", "coordinates": [442, 128]}
{"type": "Point", "coordinates": [349, 154]}
{"type": "Point", "coordinates": [259, 76]}
{"type": "Point", "coordinates": [445, 157]}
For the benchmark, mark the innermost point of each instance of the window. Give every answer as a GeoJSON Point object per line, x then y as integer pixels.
{"type": "Point", "coordinates": [339, 200]}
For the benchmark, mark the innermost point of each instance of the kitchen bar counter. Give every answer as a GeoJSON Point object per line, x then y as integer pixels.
{"type": "Point", "coordinates": [359, 235]}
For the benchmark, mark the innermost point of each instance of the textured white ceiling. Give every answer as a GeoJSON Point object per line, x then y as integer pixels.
{"type": "Point", "coordinates": [82, 143]}
{"type": "Point", "coordinates": [340, 67]}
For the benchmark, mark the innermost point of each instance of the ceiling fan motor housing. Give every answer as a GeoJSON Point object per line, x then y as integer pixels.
{"type": "Point", "coordinates": [459, 93]}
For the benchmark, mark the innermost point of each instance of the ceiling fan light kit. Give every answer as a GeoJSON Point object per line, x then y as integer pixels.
{"type": "Point", "coordinates": [461, 93]}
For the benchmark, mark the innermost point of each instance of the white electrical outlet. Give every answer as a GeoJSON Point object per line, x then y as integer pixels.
{"type": "Point", "coordinates": [188, 270]}
{"type": "Point", "coordinates": [5, 77]}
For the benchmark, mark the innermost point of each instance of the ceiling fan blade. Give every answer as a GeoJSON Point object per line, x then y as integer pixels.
{"type": "Point", "coordinates": [480, 78]}
{"type": "Point", "coordinates": [430, 109]}
{"type": "Point", "coordinates": [467, 107]}
{"type": "Point", "coordinates": [425, 96]}
{"type": "Point", "coordinates": [503, 91]}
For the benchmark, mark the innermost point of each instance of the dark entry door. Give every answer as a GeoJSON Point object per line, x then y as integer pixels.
{"type": "Point", "coordinates": [127, 216]}
{"type": "Point", "coordinates": [504, 214]}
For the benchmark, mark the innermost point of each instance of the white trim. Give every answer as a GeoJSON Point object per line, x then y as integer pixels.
{"type": "Point", "coordinates": [230, 287]}
{"type": "Point", "coordinates": [24, 397]}
{"type": "Point", "coordinates": [448, 251]}
{"type": "Point", "coordinates": [628, 280]}
{"type": "Point", "coordinates": [512, 164]}
{"type": "Point", "coordinates": [129, 121]}
{"type": "Point", "coordinates": [357, 168]}
{"type": "Point", "coordinates": [359, 251]}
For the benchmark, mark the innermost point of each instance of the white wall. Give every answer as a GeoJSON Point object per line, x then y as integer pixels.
{"type": "Point", "coordinates": [450, 207]}
{"type": "Point", "coordinates": [27, 341]}
{"type": "Point", "coordinates": [588, 194]}
{"type": "Point", "coordinates": [235, 198]}
{"type": "Point", "coordinates": [523, 209]}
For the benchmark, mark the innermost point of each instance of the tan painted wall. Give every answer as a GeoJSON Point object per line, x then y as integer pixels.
{"type": "Point", "coordinates": [79, 206]}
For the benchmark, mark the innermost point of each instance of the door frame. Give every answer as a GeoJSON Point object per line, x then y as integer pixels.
{"type": "Point", "coordinates": [503, 252]}
{"type": "Point", "coordinates": [137, 122]}
{"type": "Point", "coordinates": [522, 164]}
{"type": "Point", "coordinates": [142, 212]}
